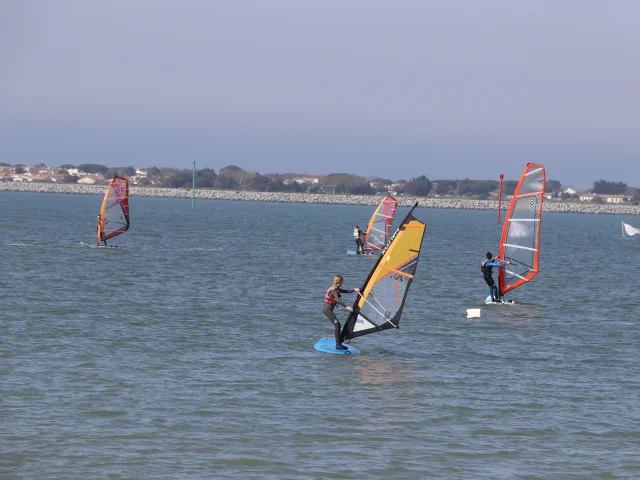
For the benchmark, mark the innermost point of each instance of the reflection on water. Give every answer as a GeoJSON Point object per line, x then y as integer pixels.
{"type": "Point", "coordinates": [383, 372]}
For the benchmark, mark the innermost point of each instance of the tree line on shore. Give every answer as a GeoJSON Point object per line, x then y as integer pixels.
{"type": "Point", "coordinates": [235, 178]}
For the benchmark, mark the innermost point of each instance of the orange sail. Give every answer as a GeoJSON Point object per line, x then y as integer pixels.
{"type": "Point", "coordinates": [520, 242]}
{"type": "Point", "coordinates": [113, 219]}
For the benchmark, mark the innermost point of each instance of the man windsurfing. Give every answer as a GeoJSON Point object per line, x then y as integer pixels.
{"type": "Point", "coordinates": [487, 271]}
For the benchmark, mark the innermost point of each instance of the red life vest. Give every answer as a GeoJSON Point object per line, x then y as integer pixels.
{"type": "Point", "coordinates": [330, 299]}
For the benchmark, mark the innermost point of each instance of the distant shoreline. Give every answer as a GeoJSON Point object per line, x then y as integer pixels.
{"type": "Point", "coordinates": [286, 197]}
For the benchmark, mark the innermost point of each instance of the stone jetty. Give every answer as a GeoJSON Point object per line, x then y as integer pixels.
{"type": "Point", "coordinates": [425, 202]}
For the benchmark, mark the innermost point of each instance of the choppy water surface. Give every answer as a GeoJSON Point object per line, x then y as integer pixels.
{"type": "Point", "coordinates": [189, 354]}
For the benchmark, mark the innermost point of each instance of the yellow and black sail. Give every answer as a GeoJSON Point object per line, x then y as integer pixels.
{"type": "Point", "coordinates": [382, 297]}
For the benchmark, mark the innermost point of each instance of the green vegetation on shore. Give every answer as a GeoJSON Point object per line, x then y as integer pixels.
{"type": "Point", "coordinates": [235, 178]}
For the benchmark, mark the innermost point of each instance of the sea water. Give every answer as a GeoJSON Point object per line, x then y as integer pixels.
{"type": "Point", "coordinates": [187, 353]}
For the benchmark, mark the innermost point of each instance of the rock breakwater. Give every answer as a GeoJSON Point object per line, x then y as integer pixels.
{"type": "Point", "coordinates": [457, 203]}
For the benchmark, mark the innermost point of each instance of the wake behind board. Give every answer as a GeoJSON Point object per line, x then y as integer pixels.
{"type": "Point", "coordinates": [328, 345]}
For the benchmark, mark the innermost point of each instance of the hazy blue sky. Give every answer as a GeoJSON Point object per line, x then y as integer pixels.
{"type": "Point", "coordinates": [448, 89]}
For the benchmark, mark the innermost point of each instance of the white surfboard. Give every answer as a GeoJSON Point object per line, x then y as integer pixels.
{"type": "Point", "coordinates": [105, 247]}
{"type": "Point", "coordinates": [501, 302]}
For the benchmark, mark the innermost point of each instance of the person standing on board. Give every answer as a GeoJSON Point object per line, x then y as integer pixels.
{"type": "Point", "coordinates": [98, 228]}
{"type": "Point", "coordinates": [487, 271]}
{"type": "Point", "coordinates": [357, 233]}
{"type": "Point", "coordinates": [333, 298]}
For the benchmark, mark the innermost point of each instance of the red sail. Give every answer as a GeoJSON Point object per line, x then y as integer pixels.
{"type": "Point", "coordinates": [377, 233]}
{"type": "Point", "coordinates": [114, 213]}
{"type": "Point", "coordinates": [520, 242]}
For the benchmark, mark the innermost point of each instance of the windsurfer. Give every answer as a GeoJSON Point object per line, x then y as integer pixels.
{"type": "Point", "coordinates": [98, 227]}
{"type": "Point", "coordinates": [333, 298]}
{"type": "Point", "coordinates": [357, 233]}
{"type": "Point", "coordinates": [487, 271]}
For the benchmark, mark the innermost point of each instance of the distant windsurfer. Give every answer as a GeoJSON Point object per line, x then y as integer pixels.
{"type": "Point", "coordinates": [331, 300]}
{"type": "Point", "coordinates": [487, 271]}
{"type": "Point", "coordinates": [98, 227]}
{"type": "Point", "coordinates": [357, 233]}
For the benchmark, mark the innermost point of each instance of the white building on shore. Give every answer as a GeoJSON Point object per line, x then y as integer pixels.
{"type": "Point", "coordinates": [606, 197]}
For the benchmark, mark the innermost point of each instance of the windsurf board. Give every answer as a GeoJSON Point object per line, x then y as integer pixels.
{"type": "Point", "coordinates": [328, 345]}
{"type": "Point", "coordinates": [502, 302]}
{"type": "Point", "coordinates": [105, 247]}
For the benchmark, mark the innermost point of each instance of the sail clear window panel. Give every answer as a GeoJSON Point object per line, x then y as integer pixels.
{"type": "Point", "coordinates": [386, 296]}
{"type": "Point", "coordinates": [533, 182]}
{"type": "Point", "coordinates": [522, 239]}
{"type": "Point", "coordinates": [363, 324]}
{"type": "Point", "coordinates": [377, 235]}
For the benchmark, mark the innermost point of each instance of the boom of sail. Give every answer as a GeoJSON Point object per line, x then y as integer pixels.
{"type": "Point", "coordinates": [382, 297]}
{"type": "Point", "coordinates": [114, 212]}
{"type": "Point", "coordinates": [377, 234]}
{"type": "Point", "coordinates": [520, 241]}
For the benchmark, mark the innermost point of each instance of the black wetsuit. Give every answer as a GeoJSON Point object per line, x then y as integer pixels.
{"type": "Point", "coordinates": [487, 272]}
{"type": "Point", "coordinates": [328, 309]}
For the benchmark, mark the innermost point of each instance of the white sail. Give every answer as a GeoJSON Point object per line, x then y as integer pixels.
{"type": "Point", "coordinates": [629, 230]}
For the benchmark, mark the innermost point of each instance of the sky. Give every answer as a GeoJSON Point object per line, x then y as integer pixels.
{"type": "Point", "coordinates": [449, 89]}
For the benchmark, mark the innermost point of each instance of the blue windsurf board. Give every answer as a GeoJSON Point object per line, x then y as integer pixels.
{"type": "Point", "coordinates": [328, 345]}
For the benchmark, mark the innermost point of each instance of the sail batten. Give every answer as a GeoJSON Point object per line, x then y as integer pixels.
{"type": "Point", "coordinates": [520, 240]}
{"type": "Point", "coordinates": [381, 299]}
{"type": "Point", "coordinates": [520, 246]}
{"type": "Point", "coordinates": [397, 271]}
{"type": "Point", "coordinates": [533, 171]}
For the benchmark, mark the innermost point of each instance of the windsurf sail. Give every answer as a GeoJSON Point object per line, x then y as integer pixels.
{"type": "Point", "coordinates": [377, 234]}
{"type": "Point", "coordinates": [520, 242]}
{"type": "Point", "coordinates": [114, 212]}
{"type": "Point", "coordinates": [382, 297]}
{"type": "Point", "coordinates": [629, 230]}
